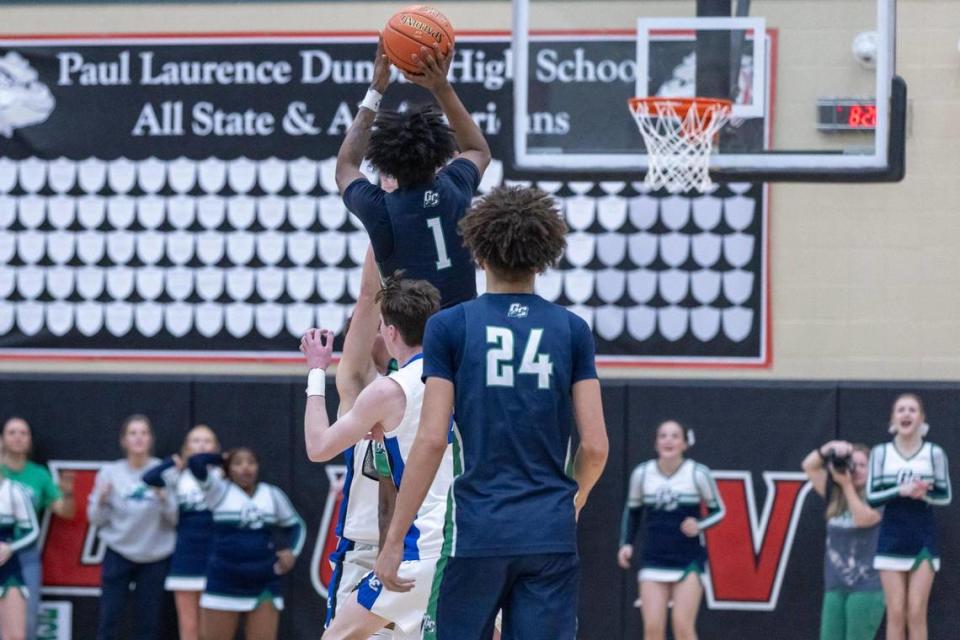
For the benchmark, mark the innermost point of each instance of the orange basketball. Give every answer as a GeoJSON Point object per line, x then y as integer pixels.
{"type": "Point", "coordinates": [416, 26]}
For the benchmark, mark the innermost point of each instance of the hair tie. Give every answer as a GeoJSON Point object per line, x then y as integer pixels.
{"type": "Point", "coordinates": [691, 439]}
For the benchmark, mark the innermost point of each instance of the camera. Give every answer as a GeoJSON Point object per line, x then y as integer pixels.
{"type": "Point", "coordinates": [840, 464]}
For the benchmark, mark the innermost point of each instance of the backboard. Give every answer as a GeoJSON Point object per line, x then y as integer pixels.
{"type": "Point", "coordinates": [813, 84]}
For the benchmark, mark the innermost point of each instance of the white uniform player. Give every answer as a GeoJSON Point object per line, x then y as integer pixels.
{"type": "Point", "coordinates": [424, 540]}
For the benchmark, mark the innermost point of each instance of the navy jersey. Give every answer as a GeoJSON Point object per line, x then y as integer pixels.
{"type": "Point", "coordinates": [513, 359]}
{"type": "Point", "coordinates": [414, 228]}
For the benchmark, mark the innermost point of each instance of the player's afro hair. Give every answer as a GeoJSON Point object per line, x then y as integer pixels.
{"type": "Point", "coordinates": [515, 231]}
{"type": "Point", "coordinates": [410, 145]}
{"type": "Point", "coordinates": [406, 304]}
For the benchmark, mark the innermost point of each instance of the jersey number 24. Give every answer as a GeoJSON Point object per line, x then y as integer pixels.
{"type": "Point", "coordinates": [500, 368]}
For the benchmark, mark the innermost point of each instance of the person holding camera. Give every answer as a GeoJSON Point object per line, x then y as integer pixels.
{"type": "Point", "coordinates": [853, 603]}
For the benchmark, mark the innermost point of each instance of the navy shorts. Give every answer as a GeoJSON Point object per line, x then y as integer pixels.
{"type": "Point", "coordinates": [538, 595]}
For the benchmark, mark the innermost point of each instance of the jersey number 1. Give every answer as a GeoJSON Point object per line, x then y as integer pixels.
{"type": "Point", "coordinates": [443, 260]}
{"type": "Point", "coordinates": [500, 357]}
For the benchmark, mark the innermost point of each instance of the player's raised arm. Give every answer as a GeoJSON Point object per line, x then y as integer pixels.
{"type": "Point", "coordinates": [433, 76]}
{"type": "Point", "coordinates": [374, 404]}
{"type": "Point", "coordinates": [357, 368]}
{"type": "Point", "coordinates": [350, 156]}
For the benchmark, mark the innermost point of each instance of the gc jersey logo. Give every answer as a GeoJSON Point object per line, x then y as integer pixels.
{"type": "Point", "coordinates": [431, 199]}
{"type": "Point", "coordinates": [518, 310]}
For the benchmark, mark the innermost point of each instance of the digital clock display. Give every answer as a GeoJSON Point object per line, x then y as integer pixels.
{"type": "Point", "coordinates": [846, 114]}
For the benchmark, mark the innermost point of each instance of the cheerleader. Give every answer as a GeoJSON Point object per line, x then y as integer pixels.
{"type": "Point", "coordinates": [243, 575]}
{"type": "Point", "coordinates": [188, 567]}
{"type": "Point", "coordinates": [671, 488]}
{"type": "Point", "coordinates": [18, 529]}
{"type": "Point", "coordinates": [908, 476]}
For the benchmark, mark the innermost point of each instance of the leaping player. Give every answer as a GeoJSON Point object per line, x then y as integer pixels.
{"type": "Point", "coordinates": [518, 370]}
{"type": "Point", "coordinates": [393, 403]}
{"type": "Point", "coordinates": [414, 228]}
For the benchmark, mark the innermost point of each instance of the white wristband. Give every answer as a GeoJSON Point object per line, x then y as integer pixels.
{"type": "Point", "coordinates": [316, 382]}
{"type": "Point", "coordinates": [372, 100]}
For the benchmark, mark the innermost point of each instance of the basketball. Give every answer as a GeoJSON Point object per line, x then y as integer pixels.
{"type": "Point", "coordinates": [416, 26]}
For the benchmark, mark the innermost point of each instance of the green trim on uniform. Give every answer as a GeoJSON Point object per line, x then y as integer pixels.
{"type": "Point", "coordinates": [12, 583]}
{"type": "Point", "coordinates": [920, 558]}
{"type": "Point", "coordinates": [429, 625]}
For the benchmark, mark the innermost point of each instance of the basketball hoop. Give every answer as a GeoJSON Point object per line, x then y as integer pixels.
{"type": "Point", "coordinates": [679, 135]}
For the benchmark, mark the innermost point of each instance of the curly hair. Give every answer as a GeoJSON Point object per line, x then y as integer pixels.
{"type": "Point", "coordinates": [407, 304]}
{"type": "Point", "coordinates": [515, 231]}
{"type": "Point", "coordinates": [410, 145]}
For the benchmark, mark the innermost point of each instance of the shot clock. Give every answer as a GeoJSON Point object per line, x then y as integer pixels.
{"type": "Point", "coordinates": [846, 114]}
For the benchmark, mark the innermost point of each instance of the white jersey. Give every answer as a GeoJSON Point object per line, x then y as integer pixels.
{"type": "Point", "coordinates": [425, 538]}
{"type": "Point", "coordinates": [359, 510]}
{"type": "Point", "coordinates": [889, 469]}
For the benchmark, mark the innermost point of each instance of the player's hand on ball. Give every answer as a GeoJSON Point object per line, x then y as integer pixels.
{"type": "Point", "coordinates": [317, 346]}
{"type": "Point", "coordinates": [381, 69]}
{"type": "Point", "coordinates": [689, 527]}
{"type": "Point", "coordinates": [5, 553]}
{"type": "Point", "coordinates": [284, 562]}
{"type": "Point", "coordinates": [433, 67]}
{"type": "Point", "coordinates": [624, 556]}
{"type": "Point", "coordinates": [388, 568]}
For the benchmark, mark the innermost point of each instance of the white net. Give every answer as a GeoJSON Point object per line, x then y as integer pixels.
{"type": "Point", "coordinates": [679, 134]}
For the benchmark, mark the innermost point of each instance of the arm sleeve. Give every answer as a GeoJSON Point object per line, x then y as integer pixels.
{"type": "Point", "coordinates": [633, 509]}
{"type": "Point", "coordinates": [25, 529]}
{"type": "Point", "coordinates": [879, 488]}
{"type": "Point", "coordinates": [289, 521]}
{"type": "Point", "coordinates": [584, 361]}
{"type": "Point", "coordinates": [464, 175]}
{"type": "Point", "coordinates": [439, 345]}
{"type": "Point", "coordinates": [367, 202]}
{"type": "Point", "coordinates": [154, 476]}
{"type": "Point", "coordinates": [940, 495]}
{"type": "Point", "coordinates": [97, 514]}
{"type": "Point", "coordinates": [707, 487]}
{"type": "Point", "coordinates": [214, 487]}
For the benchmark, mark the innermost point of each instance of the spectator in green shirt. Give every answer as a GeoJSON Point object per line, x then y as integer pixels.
{"type": "Point", "coordinates": [44, 494]}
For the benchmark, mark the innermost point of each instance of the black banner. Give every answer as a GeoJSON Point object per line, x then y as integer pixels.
{"type": "Point", "coordinates": [176, 196]}
{"type": "Point", "coordinates": [765, 578]}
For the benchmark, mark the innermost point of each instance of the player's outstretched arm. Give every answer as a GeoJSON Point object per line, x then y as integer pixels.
{"type": "Point", "coordinates": [375, 405]}
{"type": "Point", "coordinates": [350, 156]}
{"type": "Point", "coordinates": [433, 75]}
{"type": "Point", "coordinates": [591, 456]}
{"type": "Point", "coordinates": [422, 464]}
{"type": "Point", "coordinates": [357, 369]}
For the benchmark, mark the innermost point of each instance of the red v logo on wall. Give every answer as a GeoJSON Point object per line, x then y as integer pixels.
{"type": "Point", "coordinates": [71, 551]}
{"type": "Point", "coordinates": [748, 556]}
{"type": "Point", "coordinates": [321, 572]}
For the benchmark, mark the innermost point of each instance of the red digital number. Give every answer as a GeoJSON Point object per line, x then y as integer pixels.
{"type": "Point", "coordinates": [862, 117]}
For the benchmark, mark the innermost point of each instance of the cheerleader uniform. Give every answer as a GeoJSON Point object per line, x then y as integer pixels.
{"type": "Point", "coordinates": [668, 554]}
{"type": "Point", "coordinates": [908, 531]}
{"type": "Point", "coordinates": [18, 528]}
{"type": "Point", "coordinates": [240, 573]}
{"type": "Point", "coordinates": [188, 566]}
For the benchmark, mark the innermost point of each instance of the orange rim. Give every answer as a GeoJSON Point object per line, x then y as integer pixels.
{"type": "Point", "coordinates": [681, 105]}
